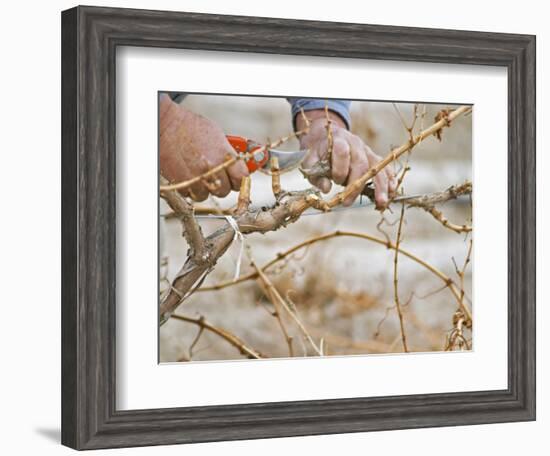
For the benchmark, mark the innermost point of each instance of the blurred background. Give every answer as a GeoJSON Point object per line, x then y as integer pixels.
{"type": "Point", "coordinates": [342, 287]}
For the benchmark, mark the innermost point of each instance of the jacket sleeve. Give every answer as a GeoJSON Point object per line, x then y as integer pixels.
{"type": "Point", "coordinates": [177, 97]}
{"type": "Point", "coordinates": [340, 107]}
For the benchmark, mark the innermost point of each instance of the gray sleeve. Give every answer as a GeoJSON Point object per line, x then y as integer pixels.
{"type": "Point", "coordinates": [176, 96]}
{"type": "Point", "coordinates": [340, 107]}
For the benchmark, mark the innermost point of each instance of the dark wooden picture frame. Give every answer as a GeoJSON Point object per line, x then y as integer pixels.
{"type": "Point", "coordinates": [90, 37]}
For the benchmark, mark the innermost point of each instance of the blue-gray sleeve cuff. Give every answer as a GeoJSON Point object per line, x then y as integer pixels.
{"type": "Point", "coordinates": [176, 97]}
{"type": "Point", "coordinates": [340, 107]}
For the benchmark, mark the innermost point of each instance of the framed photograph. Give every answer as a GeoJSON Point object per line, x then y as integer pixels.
{"type": "Point", "coordinates": [280, 228]}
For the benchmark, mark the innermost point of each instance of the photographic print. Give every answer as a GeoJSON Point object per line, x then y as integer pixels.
{"type": "Point", "coordinates": [294, 227]}
{"type": "Point", "coordinates": [218, 229]}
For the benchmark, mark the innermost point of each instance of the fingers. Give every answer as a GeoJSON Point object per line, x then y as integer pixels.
{"type": "Point", "coordinates": [340, 160]}
{"type": "Point", "coordinates": [236, 173]}
{"type": "Point", "coordinates": [172, 165]}
{"type": "Point", "coordinates": [359, 165]}
{"type": "Point", "coordinates": [198, 192]}
{"type": "Point", "coordinates": [381, 190]}
{"type": "Point", "coordinates": [324, 184]}
{"type": "Point", "coordinates": [317, 151]}
{"type": "Point", "coordinates": [385, 182]}
{"type": "Point", "coordinates": [220, 183]}
{"type": "Point", "coordinates": [362, 158]}
{"type": "Point", "coordinates": [340, 163]}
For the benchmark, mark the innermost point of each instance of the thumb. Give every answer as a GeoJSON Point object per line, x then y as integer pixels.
{"type": "Point", "coordinates": [323, 183]}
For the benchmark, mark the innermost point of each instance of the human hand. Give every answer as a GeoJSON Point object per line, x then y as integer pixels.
{"type": "Point", "coordinates": [351, 157]}
{"type": "Point", "coordinates": [189, 146]}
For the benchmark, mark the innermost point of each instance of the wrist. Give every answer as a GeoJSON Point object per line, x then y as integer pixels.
{"type": "Point", "coordinates": [318, 116]}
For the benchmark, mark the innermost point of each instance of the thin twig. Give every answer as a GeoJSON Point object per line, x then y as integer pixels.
{"type": "Point", "coordinates": [462, 272]}
{"type": "Point", "coordinates": [305, 119]}
{"type": "Point", "coordinates": [202, 210]}
{"type": "Point", "coordinates": [187, 183]}
{"type": "Point", "coordinates": [244, 196]}
{"type": "Point", "coordinates": [369, 346]}
{"type": "Point", "coordinates": [275, 177]}
{"type": "Point", "coordinates": [196, 339]}
{"type": "Point", "coordinates": [223, 333]}
{"type": "Point", "coordinates": [281, 302]}
{"type": "Point", "coordinates": [280, 256]}
{"type": "Point", "coordinates": [456, 337]}
{"type": "Point", "coordinates": [401, 118]}
{"type": "Point", "coordinates": [286, 138]}
{"type": "Point", "coordinates": [395, 280]}
{"type": "Point", "coordinates": [400, 179]}
{"type": "Point", "coordinates": [277, 314]}
{"type": "Point", "coordinates": [428, 202]}
{"type": "Point", "coordinates": [423, 116]}
{"type": "Point", "coordinates": [438, 215]}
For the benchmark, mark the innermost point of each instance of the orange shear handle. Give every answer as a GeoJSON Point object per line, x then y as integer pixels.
{"type": "Point", "coordinates": [255, 157]}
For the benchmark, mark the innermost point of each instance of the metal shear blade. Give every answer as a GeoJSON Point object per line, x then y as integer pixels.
{"type": "Point", "coordinates": [288, 160]}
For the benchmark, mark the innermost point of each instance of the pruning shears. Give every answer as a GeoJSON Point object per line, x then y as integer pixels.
{"type": "Point", "coordinates": [258, 157]}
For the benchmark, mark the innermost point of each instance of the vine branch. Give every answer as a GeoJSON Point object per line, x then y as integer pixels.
{"type": "Point", "coordinates": [223, 333]}
{"type": "Point", "coordinates": [447, 281]}
{"type": "Point", "coordinates": [395, 280]}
